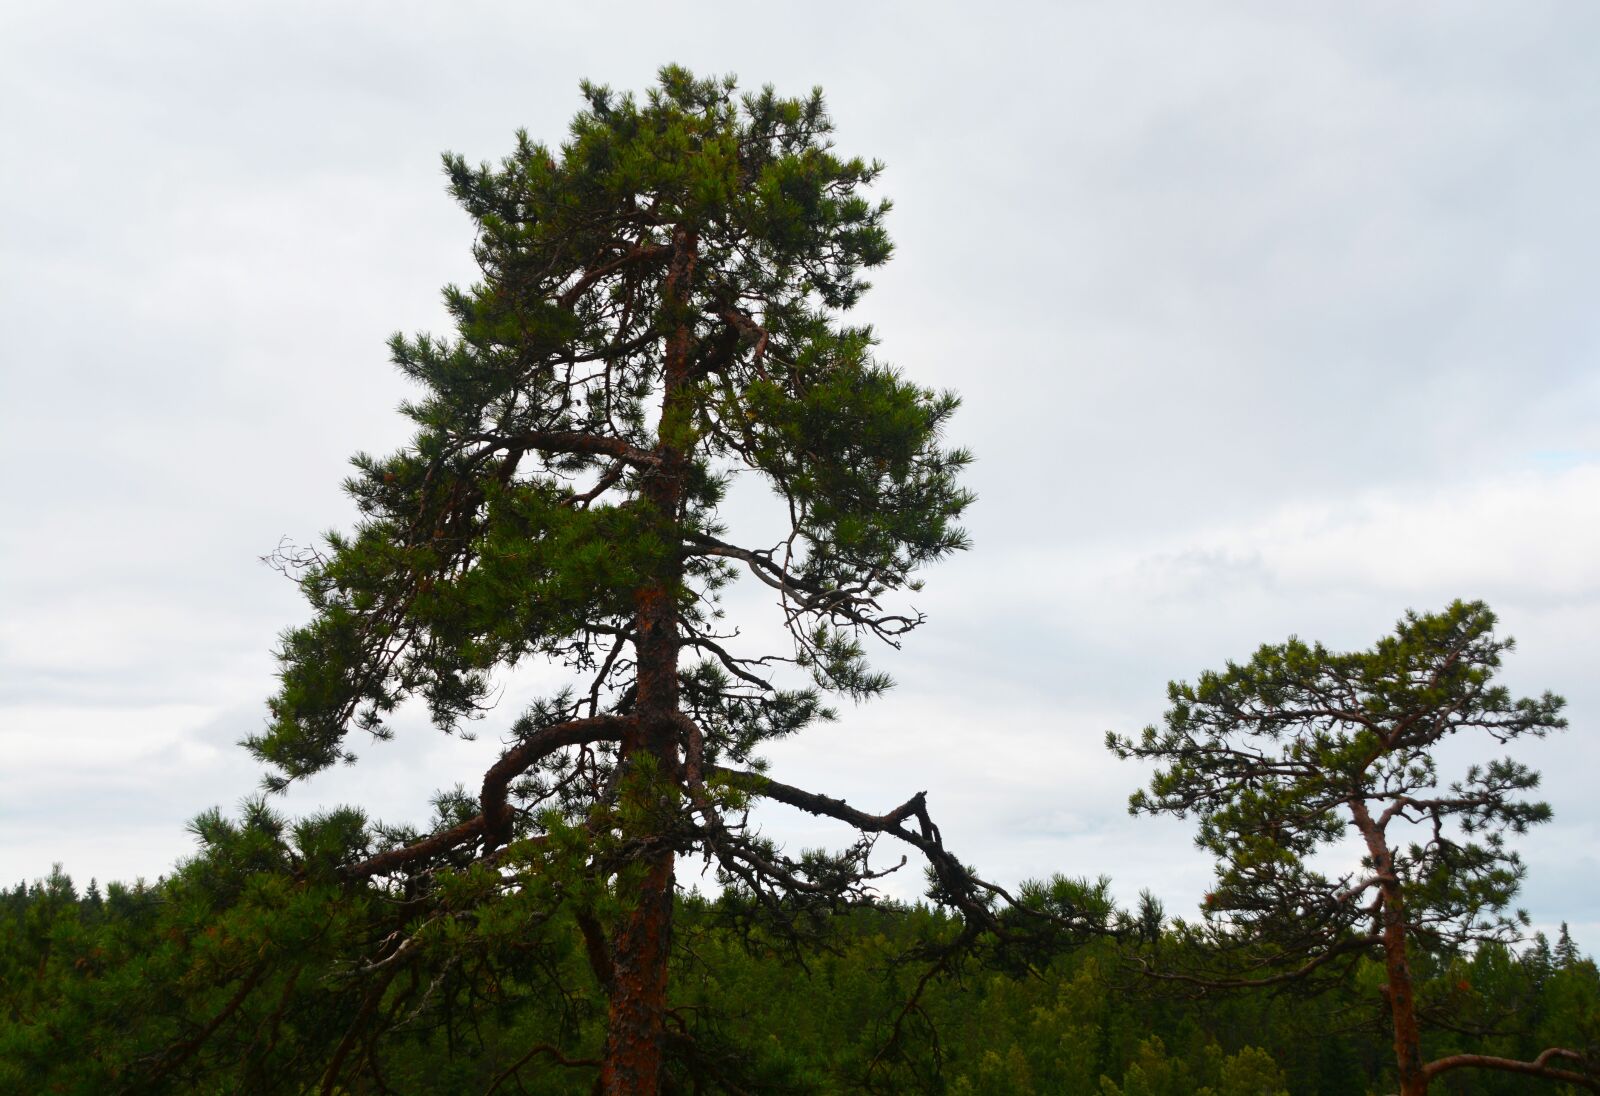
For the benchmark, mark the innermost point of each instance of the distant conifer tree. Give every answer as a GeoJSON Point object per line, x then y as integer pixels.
{"type": "Point", "coordinates": [1301, 747]}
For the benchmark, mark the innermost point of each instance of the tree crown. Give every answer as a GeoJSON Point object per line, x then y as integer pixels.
{"type": "Point", "coordinates": [691, 250]}
{"type": "Point", "coordinates": [1282, 756]}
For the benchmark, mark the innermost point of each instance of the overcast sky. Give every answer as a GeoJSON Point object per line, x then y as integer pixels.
{"type": "Point", "coordinates": [1269, 318]}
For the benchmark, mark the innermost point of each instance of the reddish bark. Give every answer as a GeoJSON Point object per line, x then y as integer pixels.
{"type": "Point", "coordinates": [1399, 992]}
{"type": "Point", "coordinates": [643, 945]}
{"type": "Point", "coordinates": [639, 986]}
{"type": "Point", "coordinates": [1539, 1067]}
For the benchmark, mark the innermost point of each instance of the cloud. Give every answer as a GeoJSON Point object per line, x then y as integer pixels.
{"type": "Point", "coordinates": [1071, 641]}
{"type": "Point", "coordinates": [1267, 321]}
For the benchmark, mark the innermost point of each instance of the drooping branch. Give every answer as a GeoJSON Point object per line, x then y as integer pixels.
{"type": "Point", "coordinates": [761, 564]}
{"type": "Point", "coordinates": [965, 889]}
{"type": "Point", "coordinates": [607, 480]}
{"type": "Point", "coordinates": [734, 666]}
{"type": "Point", "coordinates": [827, 806]}
{"type": "Point", "coordinates": [851, 603]}
{"type": "Point", "coordinates": [1538, 1067]}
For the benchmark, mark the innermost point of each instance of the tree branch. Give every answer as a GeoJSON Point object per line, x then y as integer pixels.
{"type": "Point", "coordinates": [638, 253]}
{"type": "Point", "coordinates": [493, 820]}
{"type": "Point", "coordinates": [1538, 1067]}
{"type": "Point", "coordinates": [569, 441]}
{"type": "Point", "coordinates": [1344, 947]}
{"type": "Point", "coordinates": [515, 761]}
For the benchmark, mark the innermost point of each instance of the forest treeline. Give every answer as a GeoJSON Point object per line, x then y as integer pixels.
{"type": "Point", "coordinates": [222, 980]}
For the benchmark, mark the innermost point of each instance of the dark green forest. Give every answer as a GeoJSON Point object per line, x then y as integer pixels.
{"type": "Point", "coordinates": [141, 988]}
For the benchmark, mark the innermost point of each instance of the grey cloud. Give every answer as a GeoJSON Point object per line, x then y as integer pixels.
{"type": "Point", "coordinates": [1188, 266]}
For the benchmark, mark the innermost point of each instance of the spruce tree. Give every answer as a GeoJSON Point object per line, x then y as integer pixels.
{"type": "Point", "coordinates": [661, 312]}
{"type": "Point", "coordinates": [1567, 956]}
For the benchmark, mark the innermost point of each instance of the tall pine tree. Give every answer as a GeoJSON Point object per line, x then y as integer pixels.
{"type": "Point", "coordinates": [659, 313]}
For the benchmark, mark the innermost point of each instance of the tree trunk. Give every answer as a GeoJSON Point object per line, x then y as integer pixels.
{"type": "Point", "coordinates": [639, 992]}
{"type": "Point", "coordinates": [1399, 991]}
{"type": "Point", "coordinates": [643, 946]}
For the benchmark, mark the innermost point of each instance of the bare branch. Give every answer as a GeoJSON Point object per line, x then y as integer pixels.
{"type": "Point", "coordinates": [1538, 1067]}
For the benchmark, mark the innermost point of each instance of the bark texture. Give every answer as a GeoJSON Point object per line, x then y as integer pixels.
{"type": "Point", "coordinates": [643, 946]}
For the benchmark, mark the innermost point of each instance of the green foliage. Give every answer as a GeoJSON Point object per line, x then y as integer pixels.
{"type": "Point", "coordinates": [1301, 747]}
{"type": "Point", "coordinates": [477, 548]}
{"type": "Point", "coordinates": [660, 311]}
{"type": "Point", "coordinates": [145, 968]}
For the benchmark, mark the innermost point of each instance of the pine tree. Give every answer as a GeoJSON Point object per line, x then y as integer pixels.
{"type": "Point", "coordinates": [1300, 747]}
{"type": "Point", "coordinates": [660, 313]}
